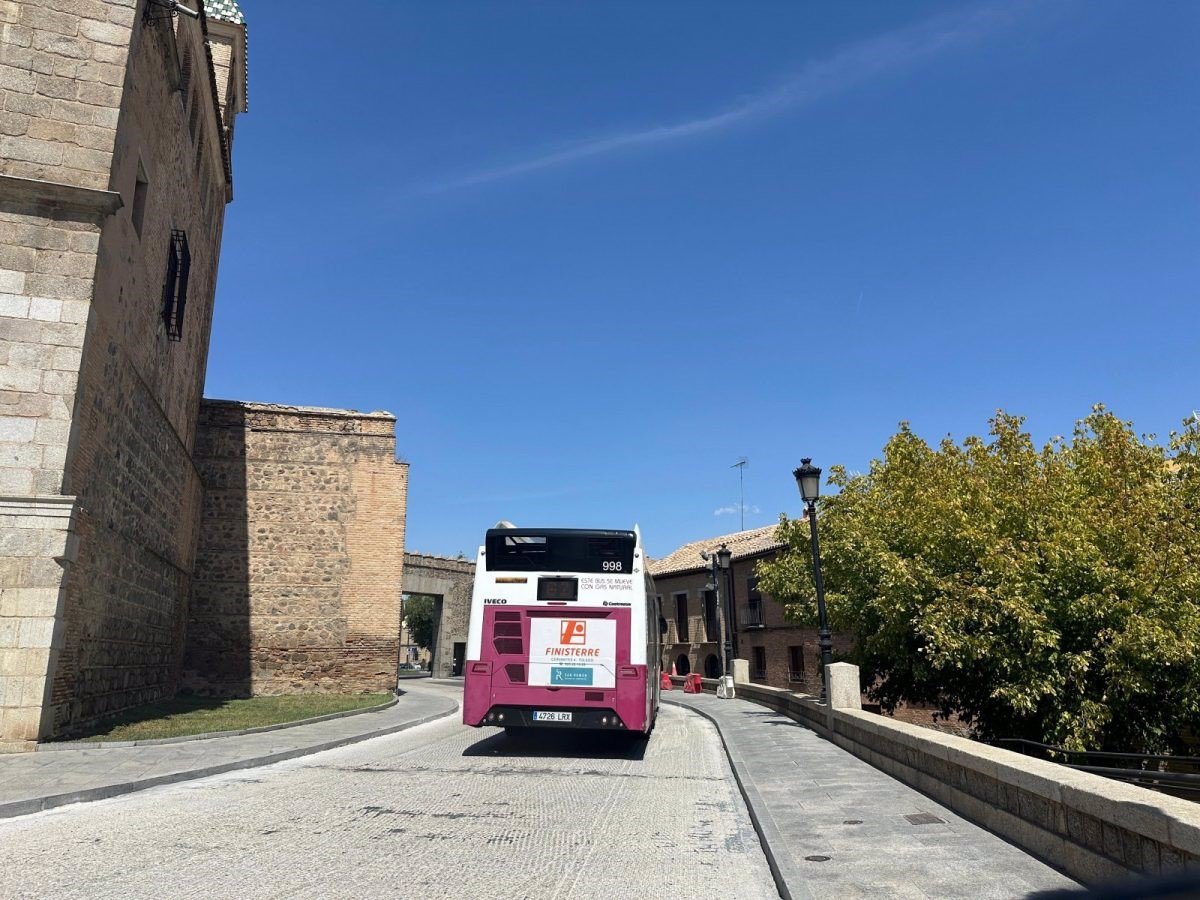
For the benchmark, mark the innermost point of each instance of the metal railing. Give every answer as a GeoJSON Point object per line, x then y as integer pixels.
{"type": "Point", "coordinates": [1176, 775]}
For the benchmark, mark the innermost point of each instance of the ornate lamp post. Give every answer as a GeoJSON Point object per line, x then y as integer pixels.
{"type": "Point", "coordinates": [808, 479]}
{"type": "Point", "coordinates": [722, 559]}
{"type": "Point", "coordinates": [719, 571]}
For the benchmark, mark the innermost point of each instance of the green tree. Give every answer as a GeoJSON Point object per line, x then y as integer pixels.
{"type": "Point", "coordinates": [418, 616]}
{"type": "Point", "coordinates": [1050, 594]}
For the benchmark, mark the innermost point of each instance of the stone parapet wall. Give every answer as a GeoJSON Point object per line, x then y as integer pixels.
{"type": "Point", "coordinates": [1093, 828]}
{"type": "Point", "coordinates": [301, 551]}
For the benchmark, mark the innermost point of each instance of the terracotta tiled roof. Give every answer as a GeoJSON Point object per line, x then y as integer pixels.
{"type": "Point", "coordinates": [743, 544]}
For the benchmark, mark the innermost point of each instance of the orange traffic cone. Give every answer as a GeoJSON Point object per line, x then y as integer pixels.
{"type": "Point", "coordinates": [674, 674]}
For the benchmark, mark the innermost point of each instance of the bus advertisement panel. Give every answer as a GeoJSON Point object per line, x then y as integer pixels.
{"type": "Point", "coordinates": [573, 652]}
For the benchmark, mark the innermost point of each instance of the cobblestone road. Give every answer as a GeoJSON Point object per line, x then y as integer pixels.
{"type": "Point", "coordinates": [438, 811]}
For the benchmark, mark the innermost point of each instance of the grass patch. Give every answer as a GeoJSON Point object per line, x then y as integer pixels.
{"type": "Point", "coordinates": [182, 716]}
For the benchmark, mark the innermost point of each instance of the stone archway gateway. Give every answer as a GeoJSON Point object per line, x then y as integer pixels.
{"type": "Point", "coordinates": [682, 665]}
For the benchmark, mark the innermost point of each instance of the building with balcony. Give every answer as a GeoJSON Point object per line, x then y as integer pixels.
{"type": "Point", "coordinates": [780, 653]}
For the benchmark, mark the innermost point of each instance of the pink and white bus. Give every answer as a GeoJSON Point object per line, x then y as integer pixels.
{"type": "Point", "coordinates": [564, 633]}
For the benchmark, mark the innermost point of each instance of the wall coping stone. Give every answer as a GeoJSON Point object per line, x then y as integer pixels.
{"type": "Point", "coordinates": [435, 561]}
{"type": "Point", "coordinates": [34, 191]}
{"type": "Point", "coordinates": [47, 505]}
{"type": "Point", "coordinates": [300, 410]}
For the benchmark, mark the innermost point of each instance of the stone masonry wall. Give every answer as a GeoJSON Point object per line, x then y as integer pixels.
{"type": "Point", "coordinates": [62, 71]}
{"type": "Point", "coordinates": [298, 573]}
{"type": "Point", "coordinates": [139, 393]}
{"type": "Point", "coordinates": [452, 580]}
{"type": "Point", "coordinates": [109, 139]}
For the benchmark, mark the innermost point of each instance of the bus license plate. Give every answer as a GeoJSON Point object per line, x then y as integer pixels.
{"type": "Point", "coordinates": [539, 716]}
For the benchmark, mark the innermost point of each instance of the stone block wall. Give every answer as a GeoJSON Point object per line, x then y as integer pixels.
{"type": "Point", "coordinates": [301, 551]}
{"type": "Point", "coordinates": [43, 323]}
{"type": "Point", "coordinates": [109, 139]}
{"type": "Point", "coordinates": [37, 539]}
{"type": "Point", "coordinates": [452, 580]}
{"type": "Point", "coordinates": [62, 73]}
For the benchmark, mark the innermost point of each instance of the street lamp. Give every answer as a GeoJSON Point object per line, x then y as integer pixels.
{"type": "Point", "coordinates": [808, 479]}
{"type": "Point", "coordinates": [718, 563]}
{"type": "Point", "coordinates": [722, 557]}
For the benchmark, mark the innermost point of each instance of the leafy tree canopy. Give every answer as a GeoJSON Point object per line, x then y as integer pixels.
{"type": "Point", "coordinates": [418, 616]}
{"type": "Point", "coordinates": [1050, 594]}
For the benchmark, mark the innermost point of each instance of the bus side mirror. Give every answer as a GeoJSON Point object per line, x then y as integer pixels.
{"type": "Point", "coordinates": [662, 626]}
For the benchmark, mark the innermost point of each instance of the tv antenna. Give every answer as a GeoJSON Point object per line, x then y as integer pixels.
{"type": "Point", "coordinates": [740, 465]}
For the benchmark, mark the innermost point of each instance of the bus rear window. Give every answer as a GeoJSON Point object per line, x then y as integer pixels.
{"type": "Point", "coordinates": [559, 550]}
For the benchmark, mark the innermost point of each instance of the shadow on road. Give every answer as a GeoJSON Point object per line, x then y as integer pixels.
{"type": "Point", "coordinates": [561, 744]}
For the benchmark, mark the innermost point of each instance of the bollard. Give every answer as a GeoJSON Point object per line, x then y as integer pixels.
{"type": "Point", "coordinates": [725, 690]}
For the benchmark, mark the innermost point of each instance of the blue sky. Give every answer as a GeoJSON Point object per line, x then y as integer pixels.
{"type": "Point", "coordinates": [592, 253]}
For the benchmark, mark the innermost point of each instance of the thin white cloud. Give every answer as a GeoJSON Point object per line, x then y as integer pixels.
{"type": "Point", "coordinates": [733, 510]}
{"type": "Point", "coordinates": [851, 66]}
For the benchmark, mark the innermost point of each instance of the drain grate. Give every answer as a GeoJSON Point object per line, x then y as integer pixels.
{"type": "Point", "coordinates": [852, 822]}
{"type": "Point", "coordinates": [817, 858]}
{"type": "Point", "coordinates": [925, 819]}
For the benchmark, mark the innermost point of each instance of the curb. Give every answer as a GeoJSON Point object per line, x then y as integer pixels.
{"type": "Point", "coordinates": [39, 804]}
{"type": "Point", "coordinates": [55, 746]}
{"type": "Point", "coordinates": [787, 880]}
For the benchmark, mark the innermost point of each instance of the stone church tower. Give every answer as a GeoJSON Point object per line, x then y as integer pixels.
{"type": "Point", "coordinates": [116, 133]}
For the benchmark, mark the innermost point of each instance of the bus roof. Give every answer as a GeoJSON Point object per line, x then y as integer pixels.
{"type": "Point", "coordinates": [560, 532]}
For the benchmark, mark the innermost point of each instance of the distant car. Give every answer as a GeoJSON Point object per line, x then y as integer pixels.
{"type": "Point", "coordinates": [409, 667]}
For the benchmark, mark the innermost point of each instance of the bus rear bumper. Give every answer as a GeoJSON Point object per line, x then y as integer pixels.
{"type": "Point", "coordinates": [588, 717]}
{"type": "Point", "coordinates": [487, 695]}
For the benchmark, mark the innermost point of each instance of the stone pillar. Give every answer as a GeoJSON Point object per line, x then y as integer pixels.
{"type": "Point", "coordinates": [49, 234]}
{"type": "Point", "coordinates": [38, 540]}
{"type": "Point", "coordinates": [741, 671]}
{"type": "Point", "coordinates": [845, 691]}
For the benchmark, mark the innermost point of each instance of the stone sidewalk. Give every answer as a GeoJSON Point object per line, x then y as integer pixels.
{"type": "Point", "coordinates": [835, 827]}
{"type": "Point", "coordinates": [30, 782]}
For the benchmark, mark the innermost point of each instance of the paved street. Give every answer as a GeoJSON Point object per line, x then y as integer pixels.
{"type": "Point", "coordinates": [30, 782]}
{"type": "Point", "coordinates": [436, 811]}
